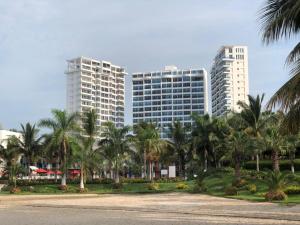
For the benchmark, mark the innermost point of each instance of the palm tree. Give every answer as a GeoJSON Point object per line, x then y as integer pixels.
{"type": "Point", "coordinates": [90, 132]}
{"type": "Point", "coordinates": [29, 143]}
{"type": "Point", "coordinates": [147, 141]}
{"type": "Point", "coordinates": [180, 144]}
{"type": "Point", "coordinates": [252, 114]}
{"type": "Point", "coordinates": [238, 145]}
{"type": "Point", "coordinates": [276, 181]}
{"type": "Point", "coordinates": [291, 144]}
{"type": "Point", "coordinates": [280, 19]}
{"type": "Point", "coordinates": [274, 141]}
{"type": "Point", "coordinates": [11, 155]}
{"type": "Point", "coordinates": [118, 140]}
{"type": "Point", "coordinates": [63, 126]}
{"type": "Point", "coordinates": [201, 135]}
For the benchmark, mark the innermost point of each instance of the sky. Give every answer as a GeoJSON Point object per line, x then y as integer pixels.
{"type": "Point", "coordinates": [38, 36]}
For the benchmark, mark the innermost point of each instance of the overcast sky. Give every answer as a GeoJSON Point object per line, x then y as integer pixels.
{"type": "Point", "coordinates": [37, 36]}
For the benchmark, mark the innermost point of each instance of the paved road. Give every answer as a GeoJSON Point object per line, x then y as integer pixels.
{"type": "Point", "coordinates": [160, 209]}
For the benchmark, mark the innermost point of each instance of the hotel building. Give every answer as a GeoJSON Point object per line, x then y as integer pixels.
{"type": "Point", "coordinates": [164, 96]}
{"type": "Point", "coordinates": [99, 85]}
{"type": "Point", "coordinates": [229, 79]}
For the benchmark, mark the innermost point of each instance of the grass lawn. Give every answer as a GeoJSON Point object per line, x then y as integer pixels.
{"type": "Point", "coordinates": [128, 188]}
{"type": "Point", "coordinates": [216, 184]}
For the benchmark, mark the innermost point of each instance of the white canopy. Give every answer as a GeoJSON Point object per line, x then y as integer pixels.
{"type": "Point", "coordinates": [33, 167]}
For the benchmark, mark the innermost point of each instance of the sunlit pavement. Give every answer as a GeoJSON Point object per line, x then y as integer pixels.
{"type": "Point", "coordinates": [141, 209]}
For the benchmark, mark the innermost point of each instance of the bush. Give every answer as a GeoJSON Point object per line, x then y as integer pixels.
{"type": "Point", "coordinates": [275, 195]}
{"type": "Point", "coordinates": [15, 190]}
{"type": "Point", "coordinates": [153, 186]}
{"type": "Point", "coordinates": [267, 164]}
{"type": "Point", "coordinates": [169, 180]}
{"type": "Point", "coordinates": [239, 183]}
{"type": "Point", "coordinates": [181, 186]}
{"type": "Point", "coordinates": [134, 180]}
{"type": "Point", "coordinates": [83, 190]}
{"type": "Point", "coordinates": [292, 190]}
{"type": "Point", "coordinates": [252, 188]}
{"type": "Point", "coordinates": [232, 190]}
{"type": "Point", "coordinates": [63, 187]}
{"type": "Point", "coordinates": [117, 186]}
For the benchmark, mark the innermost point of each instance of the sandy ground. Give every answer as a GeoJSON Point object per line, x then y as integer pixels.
{"type": "Point", "coordinates": [175, 208]}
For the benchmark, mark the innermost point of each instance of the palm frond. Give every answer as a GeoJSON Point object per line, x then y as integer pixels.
{"type": "Point", "coordinates": [279, 18]}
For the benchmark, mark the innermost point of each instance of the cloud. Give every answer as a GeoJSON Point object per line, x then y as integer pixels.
{"type": "Point", "coordinates": [37, 36]}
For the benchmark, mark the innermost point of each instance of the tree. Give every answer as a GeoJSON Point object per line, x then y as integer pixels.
{"type": "Point", "coordinates": [201, 133]}
{"type": "Point", "coordinates": [274, 141]}
{"type": "Point", "coordinates": [29, 143]}
{"type": "Point", "coordinates": [11, 155]}
{"type": "Point", "coordinates": [238, 145]}
{"type": "Point", "coordinates": [118, 141]}
{"type": "Point", "coordinates": [63, 127]}
{"type": "Point", "coordinates": [280, 19]}
{"type": "Point", "coordinates": [291, 144]}
{"type": "Point", "coordinates": [179, 144]}
{"type": "Point", "coordinates": [149, 145]}
{"type": "Point", "coordinates": [87, 153]}
{"type": "Point", "coordinates": [252, 114]}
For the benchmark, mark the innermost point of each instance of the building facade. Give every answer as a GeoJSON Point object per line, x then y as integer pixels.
{"type": "Point", "coordinates": [229, 79]}
{"type": "Point", "coordinates": [99, 85]}
{"type": "Point", "coordinates": [162, 97]}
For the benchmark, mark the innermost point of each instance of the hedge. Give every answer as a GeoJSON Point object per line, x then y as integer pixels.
{"type": "Point", "coordinates": [267, 164]}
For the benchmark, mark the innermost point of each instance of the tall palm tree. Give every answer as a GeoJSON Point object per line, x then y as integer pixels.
{"type": "Point", "coordinates": [292, 142]}
{"type": "Point", "coordinates": [29, 143]}
{"type": "Point", "coordinates": [63, 126]}
{"type": "Point", "coordinates": [252, 114]}
{"type": "Point", "coordinates": [180, 144]}
{"type": "Point", "coordinates": [238, 144]}
{"type": "Point", "coordinates": [280, 19]}
{"type": "Point", "coordinates": [118, 140]}
{"type": "Point", "coordinates": [201, 135]}
{"type": "Point", "coordinates": [274, 141]}
{"type": "Point", "coordinates": [90, 133]}
{"type": "Point", "coordinates": [147, 141]}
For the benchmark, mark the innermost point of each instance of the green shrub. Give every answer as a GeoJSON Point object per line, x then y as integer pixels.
{"type": "Point", "coordinates": [275, 195]}
{"type": "Point", "coordinates": [267, 164]}
{"type": "Point", "coordinates": [239, 183]}
{"type": "Point", "coordinates": [117, 186]}
{"type": "Point", "coordinates": [252, 188]}
{"type": "Point", "coordinates": [153, 186]}
{"type": "Point", "coordinates": [134, 180]}
{"type": "Point", "coordinates": [168, 180]}
{"type": "Point", "coordinates": [83, 190]}
{"type": "Point", "coordinates": [232, 190]}
{"type": "Point", "coordinates": [292, 190]}
{"type": "Point", "coordinates": [63, 187]}
{"type": "Point", "coordinates": [181, 186]}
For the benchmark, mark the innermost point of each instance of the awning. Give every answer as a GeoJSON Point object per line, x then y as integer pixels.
{"type": "Point", "coordinates": [41, 171]}
{"type": "Point", "coordinates": [33, 168]}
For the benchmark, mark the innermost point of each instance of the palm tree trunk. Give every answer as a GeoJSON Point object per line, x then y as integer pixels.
{"type": "Point", "coordinates": [145, 165]}
{"type": "Point", "coordinates": [81, 177]}
{"type": "Point", "coordinates": [292, 162]}
{"type": "Point", "coordinates": [237, 167]}
{"type": "Point", "coordinates": [64, 177]}
{"type": "Point", "coordinates": [275, 161]}
{"type": "Point", "coordinates": [257, 162]}
{"type": "Point", "coordinates": [205, 160]}
{"type": "Point", "coordinates": [117, 172]}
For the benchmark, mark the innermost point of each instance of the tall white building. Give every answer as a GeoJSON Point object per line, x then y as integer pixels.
{"type": "Point", "coordinates": [164, 96]}
{"type": "Point", "coordinates": [229, 79]}
{"type": "Point", "coordinates": [99, 85]}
